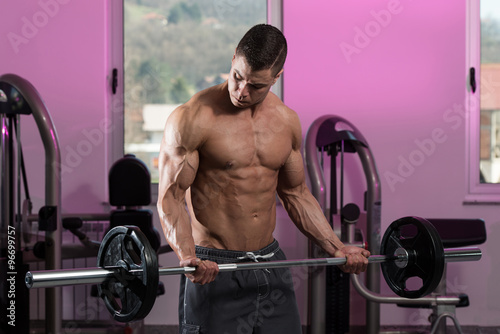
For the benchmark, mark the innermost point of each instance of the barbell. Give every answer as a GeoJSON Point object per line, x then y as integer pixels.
{"type": "Point", "coordinates": [127, 274]}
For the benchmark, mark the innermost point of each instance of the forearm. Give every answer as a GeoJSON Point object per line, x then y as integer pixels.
{"type": "Point", "coordinates": [306, 214]}
{"type": "Point", "coordinates": [177, 227]}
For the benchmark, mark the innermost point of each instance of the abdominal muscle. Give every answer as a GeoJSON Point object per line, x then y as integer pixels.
{"type": "Point", "coordinates": [234, 210]}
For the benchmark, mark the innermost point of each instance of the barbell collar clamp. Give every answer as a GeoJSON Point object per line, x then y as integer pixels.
{"type": "Point", "coordinates": [402, 257]}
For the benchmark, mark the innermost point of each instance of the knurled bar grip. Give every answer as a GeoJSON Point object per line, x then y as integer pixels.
{"type": "Point", "coordinates": [54, 278]}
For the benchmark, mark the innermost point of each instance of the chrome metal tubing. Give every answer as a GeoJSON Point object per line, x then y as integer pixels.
{"type": "Point", "coordinates": [48, 134]}
{"type": "Point", "coordinates": [383, 299]}
{"type": "Point", "coordinates": [373, 224]}
{"type": "Point", "coordinates": [462, 254]}
{"type": "Point", "coordinates": [316, 316]}
{"type": "Point", "coordinates": [6, 195]}
{"type": "Point", "coordinates": [329, 261]}
{"type": "Point", "coordinates": [316, 280]}
{"type": "Point", "coordinates": [450, 255]}
{"type": "Point", "coordinates": [53, 278]}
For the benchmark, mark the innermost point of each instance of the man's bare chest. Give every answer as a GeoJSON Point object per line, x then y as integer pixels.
{"type": "Point", "coordinates": [232, 145]}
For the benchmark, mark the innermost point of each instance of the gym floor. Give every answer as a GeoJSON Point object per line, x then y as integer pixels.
{"type": "Point", "coordinates": [421, 329]}
{"type": "Point", "coordinates": [38, 327]}
{"type": "Point", "coordinates": [361, 330]}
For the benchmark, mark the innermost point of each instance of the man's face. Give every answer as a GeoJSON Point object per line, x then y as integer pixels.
{"type": "Point", "coordinates": [246, 87]}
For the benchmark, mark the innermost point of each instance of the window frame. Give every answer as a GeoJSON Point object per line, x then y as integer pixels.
{"type": "Point", "coordinates": [116, 105]}
{"type": "Point", "coordinates": [477, 193]}
{"type": "Point", "coordinates": [274, 17]}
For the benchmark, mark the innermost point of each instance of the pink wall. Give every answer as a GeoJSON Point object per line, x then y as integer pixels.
{"type": "Point", "coordinates": [396, 69]}
{"type": "Point", "coordinates": [61, 47]}
{"type": "Point", "coordinates": [367, 61]}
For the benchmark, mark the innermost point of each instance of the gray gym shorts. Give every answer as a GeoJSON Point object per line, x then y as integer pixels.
{"type": "Point", "coordinates": [256, 301]}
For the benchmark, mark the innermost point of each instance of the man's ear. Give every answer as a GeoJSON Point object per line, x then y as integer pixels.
{"type": "Point", "coordinates": [277, 76]}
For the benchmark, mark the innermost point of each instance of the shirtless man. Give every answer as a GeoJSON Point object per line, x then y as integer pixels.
{"type": "Point", "coordinates": [228, 151]}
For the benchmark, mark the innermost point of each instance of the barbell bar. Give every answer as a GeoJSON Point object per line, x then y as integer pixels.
{"type": "Point", "coordinates": [127, 275]}
{"type": "Point", "coordinates": [65, 277]}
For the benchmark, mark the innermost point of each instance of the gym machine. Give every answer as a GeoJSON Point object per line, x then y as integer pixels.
{"type": "Point", "coordinates": [127, 194]}
{"type": "Point", "coordinates": [334, 134]}
{"type": "Point", "coordinates": [18, 96]}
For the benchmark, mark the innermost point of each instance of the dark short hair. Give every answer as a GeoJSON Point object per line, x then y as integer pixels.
{"type": "Point", "coordinates": [264, 47]}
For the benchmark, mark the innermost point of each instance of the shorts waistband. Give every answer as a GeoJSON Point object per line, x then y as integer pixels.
{"type": "Point", "coordinates": [225, 254]}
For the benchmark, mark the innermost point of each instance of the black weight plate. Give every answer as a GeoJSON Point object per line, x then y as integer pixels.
{"type": "Point", "coordinates": [128, 297]}
{"type": "Point", "coordinates": [425, 251]}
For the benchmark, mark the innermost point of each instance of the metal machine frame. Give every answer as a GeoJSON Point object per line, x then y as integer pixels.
{"type": "Point", "coordinates": [325, 131]}
{"type": "Point", "coordinates": [53, 236]}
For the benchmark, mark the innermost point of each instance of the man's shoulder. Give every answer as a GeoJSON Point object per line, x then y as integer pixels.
{"type": "Point", "coordinates": [203, 102]}
{"type": "Point", "coordinates": [189, 116]}
{"type": "Point", "coordinates": [277, 105]}
{"type": "Point", "coordinates": [194, 118]}
{"type": "Point", "coordinates": [188, 108]}
{"type": "Point", "coordinates": [288, 116]}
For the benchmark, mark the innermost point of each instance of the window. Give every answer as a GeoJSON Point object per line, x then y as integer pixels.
{"type": "Point", "coordinates": [484, 103]}
{"type": "Point", "coordinates": [173, 49]}
{"type": "Point", "coordinates": [490, 92]}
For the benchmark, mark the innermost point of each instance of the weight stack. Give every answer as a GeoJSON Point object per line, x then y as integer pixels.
{"type": "Point", "coordinates": [337, 301]}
